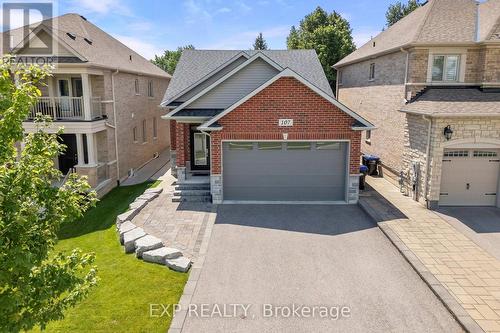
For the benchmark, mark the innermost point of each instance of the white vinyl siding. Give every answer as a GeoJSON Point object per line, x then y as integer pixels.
{"type": "Point", "coordinates": [237, 86]}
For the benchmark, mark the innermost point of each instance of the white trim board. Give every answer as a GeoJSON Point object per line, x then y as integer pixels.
{"type": "Point", "coordinates": [290, 73]}
{"type": "Point", "coordinates": [258, 55]}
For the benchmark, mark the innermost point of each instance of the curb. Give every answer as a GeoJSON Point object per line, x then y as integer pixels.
{"type": "Point", "coordinates": [456, 310]}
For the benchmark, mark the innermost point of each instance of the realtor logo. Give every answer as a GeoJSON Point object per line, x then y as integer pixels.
{"type": "Point", "coordinates": [23, 31]}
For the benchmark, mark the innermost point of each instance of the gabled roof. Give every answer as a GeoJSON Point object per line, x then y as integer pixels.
{"type": "Point", "coordinates": [195, 66]}
{"type": "Point", "coordinates": [438, 22]}
{"type": "Point", "coordinates": [104, 50]}
{"type": "Point", "coordinates": [455, 102]}
{"type": "Point", "coordinates": [361, 123]}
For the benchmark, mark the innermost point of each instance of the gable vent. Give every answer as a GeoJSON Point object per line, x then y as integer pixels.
{"type": "Point", "coordinates": [71, 35]}
{"type": "Point", "coordinates": [89, 41]}
{"type": "Point", "coordinates": [130, 57]}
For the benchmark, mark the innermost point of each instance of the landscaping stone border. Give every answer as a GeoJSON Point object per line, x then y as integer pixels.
{"type": "Point", "coordinates": [147, 247]}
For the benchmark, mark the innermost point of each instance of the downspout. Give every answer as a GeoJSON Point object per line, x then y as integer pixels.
{"type": "Point", "coordinates": [427, 160]}
{"type": "Point", "coordinates": [116, 125]}
{"type": "Point", "coordinates": [406, 70]}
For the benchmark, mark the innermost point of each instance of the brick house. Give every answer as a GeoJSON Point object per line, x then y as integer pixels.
{"type": "Point", "coordinates": [261, 126]}
{"type": "Point", "coordinates": [105, 95]}
{"type": "Point", "coordinates": [431, 85]}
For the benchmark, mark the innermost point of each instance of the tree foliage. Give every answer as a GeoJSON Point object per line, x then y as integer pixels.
{"type": "Point", "coordinates": [398, 10]}
{"type": "Point", "coordinates": [260, 42]}
{"type": "Point", "coordinates": [36, 285]}
{"type": "Point", "coordinates": [168, 61]}
{"type": "Point", "coordinates": [329, 34]}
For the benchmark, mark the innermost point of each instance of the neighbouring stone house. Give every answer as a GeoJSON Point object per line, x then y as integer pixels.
{"type": "Point", "coordinates": [261, 126]}
{"type": "Point", "coordinates": [431, 85]}
{"type": "Point", "coordinates": [105, 95]}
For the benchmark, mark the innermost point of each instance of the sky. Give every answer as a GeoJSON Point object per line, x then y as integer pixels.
{"type": "Point", "coordinates": [152, 26]}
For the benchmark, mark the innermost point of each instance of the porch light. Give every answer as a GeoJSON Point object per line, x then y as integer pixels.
{"type": "Point", "coordinates": [448, 132]}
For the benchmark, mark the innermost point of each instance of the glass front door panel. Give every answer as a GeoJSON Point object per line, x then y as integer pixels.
{"type": "Point", "coordinates": [200, 149]}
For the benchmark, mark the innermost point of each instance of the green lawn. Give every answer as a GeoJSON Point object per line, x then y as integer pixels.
{"type": "Point", "coordinates": [127, 286]}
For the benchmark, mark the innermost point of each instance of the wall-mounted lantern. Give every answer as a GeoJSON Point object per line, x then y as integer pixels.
{"type": "Point", "coordinates": [448, 132]}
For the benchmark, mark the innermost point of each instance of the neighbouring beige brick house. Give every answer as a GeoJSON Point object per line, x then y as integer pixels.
{"type": "Point", "coordinates": [436, 70]}
{"type": "Point", "coordinates": [105, 95]}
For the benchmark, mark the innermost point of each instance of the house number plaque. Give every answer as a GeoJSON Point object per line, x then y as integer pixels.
{"type": "Point", "coordinates": [285, 122]}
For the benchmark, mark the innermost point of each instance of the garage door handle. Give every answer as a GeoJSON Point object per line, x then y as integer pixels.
{"type": "Point", "coordinates": [494, 160]}
{"type": "Point", "coordinates": [490, 194]}
{"type": "Point", "coordinates": [443, 193]}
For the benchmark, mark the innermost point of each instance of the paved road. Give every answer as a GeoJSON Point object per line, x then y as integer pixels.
{"type": "Point", "coordinates": [480, 224]}
{"type": "Point", "coordinates": [331, 256]}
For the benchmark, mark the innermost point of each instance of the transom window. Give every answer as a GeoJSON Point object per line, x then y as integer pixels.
{"type": "Point", "coordinates": [298, 146]}
{"type": "Point", "coordinates": [327, 145]}
{"type": "Point", "coordinates": [445, 67]}
{"type": "Point", "coordinates": [269, 145]}
{"type": "Point", "coordinates": [456, 153]}
{"type": "Point", "coordinates": [483, 153]}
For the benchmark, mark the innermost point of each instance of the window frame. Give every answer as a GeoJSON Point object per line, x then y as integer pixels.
{"type": "Point", "coordinates": [368, 136]}
{"type": "Point", "coordinates": [155, 128]}
{"type": "Point", "coordinates": [371, 75]}
{"type": "Point", "coordinates": [150, 89]}
{"type": "Point", "coordinates": [445, 64]}
{"type": "Point", "coordinates": [137, 87]}
{"type": "Point", "coordinates": [134, 134]}
{"type": "Point", "coordinates": [340, 76]}
{"type": "Point", "coordinates": [144, 131]}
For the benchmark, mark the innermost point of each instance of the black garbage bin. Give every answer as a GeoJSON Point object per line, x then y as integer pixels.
{"type": "Point", "coordinates": [371, 161]}
{"type": "Point", "coordinates": [363, 169]}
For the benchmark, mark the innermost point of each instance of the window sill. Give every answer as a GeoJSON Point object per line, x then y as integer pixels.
{"type": "Point", "coordinates": [136, 141]}
{"type": "Point", "coordinates": [145, 143]}
{"type": "Point", "coordinates": [371, 80]}
{"type": "Point", "coordinates": [368, 141]}
{"type": "Point", "coordinates": [137, 94]}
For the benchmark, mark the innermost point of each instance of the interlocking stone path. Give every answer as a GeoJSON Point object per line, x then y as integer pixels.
{"type": "Point", "coordinates": [467, 272]}
{"type": "Point", "coordinates": [179, 225]}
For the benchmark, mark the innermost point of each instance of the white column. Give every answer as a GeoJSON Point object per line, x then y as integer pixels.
{"type": "Point", "coordinates": [87, 97]}
{"type": "Point", "coordinates": [79, 149]}
{"type": "Point", "coordinates": [92, 149]}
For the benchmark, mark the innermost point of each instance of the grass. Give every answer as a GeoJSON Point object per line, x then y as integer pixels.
{"type": "Point", "coordinates": [127, 286]}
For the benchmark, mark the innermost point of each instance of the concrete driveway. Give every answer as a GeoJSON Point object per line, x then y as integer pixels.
{"type": "Point", "coordinates": [317, 257]}
{"type": "Point", "coordinates": [480, 224]}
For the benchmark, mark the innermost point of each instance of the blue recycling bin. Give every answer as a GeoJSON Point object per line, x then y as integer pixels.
{"type": "Point", "coordinates": [363, 170]}
{"type": "Point", "coordinates": [371, 161]}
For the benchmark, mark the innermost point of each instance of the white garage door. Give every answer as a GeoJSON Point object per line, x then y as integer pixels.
{"type": "Point", "coordinates": [284, 171]}
{"type": "Point", "coordinates": [469, 177]}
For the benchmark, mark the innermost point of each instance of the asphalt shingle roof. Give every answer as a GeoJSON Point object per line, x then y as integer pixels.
{"type": "Point", "coordinates": [437, 22]}
{"type": "Point", "coordinates": [195, 65]}
{"type": "Point", "coordinates": [105, 50]}
{"type": "Point", "coordinates": [455, 102]}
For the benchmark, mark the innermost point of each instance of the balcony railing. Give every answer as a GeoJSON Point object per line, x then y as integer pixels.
{"type": "Point", "coordinates": [66, 108]}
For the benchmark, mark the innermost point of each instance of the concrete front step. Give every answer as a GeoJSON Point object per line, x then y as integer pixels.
{"type": "Point", "coordinates": [159, 255]}
{"type": "Point", "coordinates": [181, 187]}
{"type": "Point", "coordinates": [178, 198]}
{"type": "Point", "coordinates": [192, 193]}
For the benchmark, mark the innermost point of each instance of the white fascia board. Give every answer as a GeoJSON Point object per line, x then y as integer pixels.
{"type": "Point", "coordinates": [206, 77]}
{"type": "Point", "coordinates": [258, 55]}
{"type": "Point", "coordinates": [209, 129]}
{"type": "Point", "coordinates": [290, 73]}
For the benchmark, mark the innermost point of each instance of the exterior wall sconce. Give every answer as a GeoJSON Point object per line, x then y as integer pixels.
{"type": "Point", "coordinates": [448, 132]}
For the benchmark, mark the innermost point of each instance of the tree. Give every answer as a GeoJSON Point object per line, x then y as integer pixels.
{"type": "Point", "coordinates": [260, 42]}
{"type": "Point", "coordinates": [168, 61]}
{"type": "Point", "coordinates": [36, 285]}
{"type": "Point", "coordinates": [398, 10]}
{"type": "Point", "coordinates": [329, 34]}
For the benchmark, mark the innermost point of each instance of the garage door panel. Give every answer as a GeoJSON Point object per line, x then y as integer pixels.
{"type": "Point", "coordinates": [284, 175]}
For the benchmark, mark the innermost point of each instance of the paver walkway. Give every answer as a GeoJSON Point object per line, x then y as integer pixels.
{"type": "Point", "coordinates": [449, 258]}
{"type": "Point", "coordinates": [184, 226]}
{"type": "Point", "coordinates": [154, 169]}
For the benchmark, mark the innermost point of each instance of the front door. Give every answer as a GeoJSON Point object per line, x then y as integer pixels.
{"type": "Point", "coordinates": [69, 158]}
{"type": "Point", "coordinates": [200, 150]}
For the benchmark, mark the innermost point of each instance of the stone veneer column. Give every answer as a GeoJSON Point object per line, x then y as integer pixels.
{"type": "Point", "coordinates": [216, 189]}
{"type": "Point", "coordinates": [353, 189]}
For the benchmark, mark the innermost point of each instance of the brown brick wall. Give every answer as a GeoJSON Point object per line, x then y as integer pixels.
{"type": "Point", "coordinates": [173, 135]}
{"type": "Point", "coordinates": [492, 65]}
{"type": "Point", "coordinates": [417, 65]}
{"type": "Point", "coordinates": [314, 119]}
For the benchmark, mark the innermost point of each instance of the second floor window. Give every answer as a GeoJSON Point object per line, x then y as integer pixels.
{"type": "Point", "coordinates": [339, 76]}
{"type": "Point", "coordinates": [445, 67]}
{"type": "Point", "coordinates": [144, 130]}
{"type": "Point", "coordinates": [134, 133]}
{"type": "Point", "coordinates": [150, 89]}
{"type": "Point", "coordinates": [136, 86]}
{"type": "Point", "coordinates": [372, 72]}
{"type": "Point", "coordinates": [155, 128]}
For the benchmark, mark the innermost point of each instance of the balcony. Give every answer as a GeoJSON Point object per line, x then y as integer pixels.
{"type": "Point", "coordinates": [67, 108]}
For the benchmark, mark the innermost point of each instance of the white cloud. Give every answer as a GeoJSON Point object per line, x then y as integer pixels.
{"type": "Point", "coordinates": [363, 35]}
{"type": "Point", "coordinates": [196, 12]}
{"type": "Point", "coordinates": [101, 6]}
{"type": "Point", "coordinates": [144, 48]}
{"type": "Point", "coordinates": [223, 10]}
